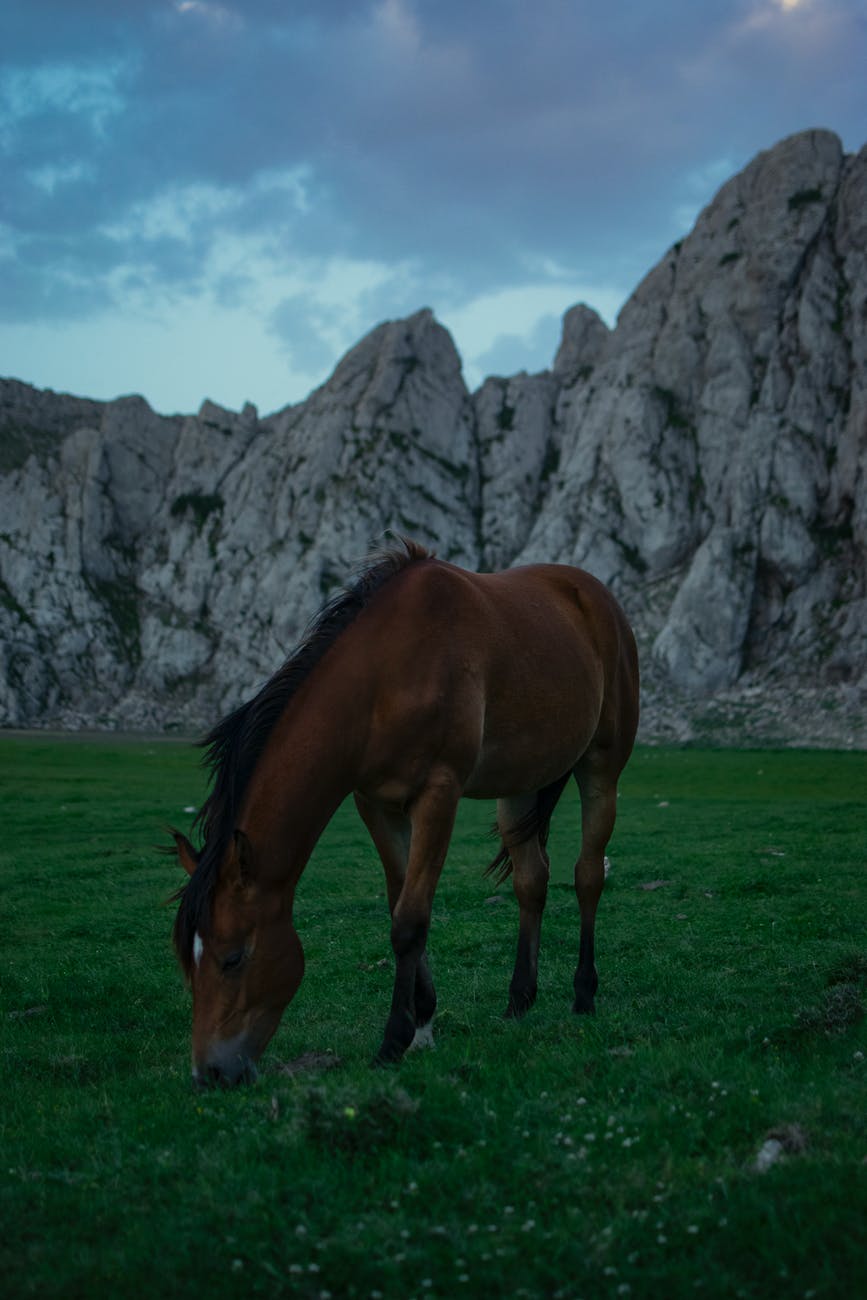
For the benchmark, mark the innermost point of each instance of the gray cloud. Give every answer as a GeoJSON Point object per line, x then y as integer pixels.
{"type": "Point", "coordinates": [468, 141]}
{"type": "Point", "coordinates": [511, 353]}
{"type": "Point", "coordinates": [298, 323]}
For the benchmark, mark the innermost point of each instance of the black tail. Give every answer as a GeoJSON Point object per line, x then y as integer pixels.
{"type": "Point", "coordinates": [537, 822]}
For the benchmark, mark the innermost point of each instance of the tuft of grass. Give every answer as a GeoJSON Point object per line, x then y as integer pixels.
{"type": "Point", "coordinates": [552, 1157]}
{"type": "Point", "coordinates": [353, 1123]}
{"type": "Point", "coordinates": [839, 1007]}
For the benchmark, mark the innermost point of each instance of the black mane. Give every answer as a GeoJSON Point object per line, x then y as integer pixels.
{"type": "Point", "coordinates": [234, 746]}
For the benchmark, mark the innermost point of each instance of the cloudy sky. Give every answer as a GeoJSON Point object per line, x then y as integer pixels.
{"type": "Point", "coordinates": [219, 197]}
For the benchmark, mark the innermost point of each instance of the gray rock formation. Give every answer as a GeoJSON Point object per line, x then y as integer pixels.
{"type": "Point", "coordinates": [706, 458]}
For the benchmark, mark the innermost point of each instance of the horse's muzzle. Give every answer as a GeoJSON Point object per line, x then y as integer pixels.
{"type": "Point", "coordinates": [214, 1076]}
{"type": "Point", "coordinates": [225, 1066]}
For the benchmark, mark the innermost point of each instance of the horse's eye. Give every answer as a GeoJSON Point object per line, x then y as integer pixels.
{"type": "Point", "coordinates": [233, 961]}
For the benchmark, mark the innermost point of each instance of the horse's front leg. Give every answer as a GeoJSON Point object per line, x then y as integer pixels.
{"type": "Point", "coordinates": [390, 829]}
{"type": "Point", "coordinates": [432, 817]}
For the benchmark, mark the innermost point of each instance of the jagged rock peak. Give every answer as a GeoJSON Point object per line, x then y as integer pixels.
{"type": "Point", "coordinates": [583, 340]}
{"type": "Point", "coordinates": [391, 349]}
{"type": "Point", "coordinates": [707, 458]}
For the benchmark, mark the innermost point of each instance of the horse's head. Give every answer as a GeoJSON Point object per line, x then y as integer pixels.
{"type": "Point", "coordinates": [243, 958]}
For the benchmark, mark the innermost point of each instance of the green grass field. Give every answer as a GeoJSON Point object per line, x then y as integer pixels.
{"type": "Point", "coordinates": [551, 1157]}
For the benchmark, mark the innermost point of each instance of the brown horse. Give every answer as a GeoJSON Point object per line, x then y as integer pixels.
{"type": "Point", "coordinates": [419, 684]}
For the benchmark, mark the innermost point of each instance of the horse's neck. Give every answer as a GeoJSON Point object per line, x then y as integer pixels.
{"type": "Point", "coordinates": [307, 768]}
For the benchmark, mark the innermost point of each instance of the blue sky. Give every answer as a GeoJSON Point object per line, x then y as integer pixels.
{"type": "Point", "coordinates": [216, 198]}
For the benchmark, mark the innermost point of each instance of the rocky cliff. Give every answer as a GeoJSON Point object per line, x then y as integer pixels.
{"type": "Point", "coordinates": [706, 458]}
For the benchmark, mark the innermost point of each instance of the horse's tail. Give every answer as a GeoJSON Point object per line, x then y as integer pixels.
{"type": "Point", "coordinates": [537, 822]}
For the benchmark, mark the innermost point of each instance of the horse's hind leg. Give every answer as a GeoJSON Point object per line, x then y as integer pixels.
{"type": "Point", "coordinates": [390, 829]}
{"type": "Point", "coordinates": [598, 811]}
{"type": "Point", "coordinates": [530, 883]}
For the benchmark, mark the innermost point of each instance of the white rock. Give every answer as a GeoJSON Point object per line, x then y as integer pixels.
{"type": "Point", "coordinates": [707, 458]}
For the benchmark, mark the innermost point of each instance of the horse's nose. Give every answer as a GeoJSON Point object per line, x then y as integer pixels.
{"type": "Point", "coordinates": [224, 1071]}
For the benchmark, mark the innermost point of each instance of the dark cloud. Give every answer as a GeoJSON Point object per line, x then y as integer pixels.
{"type": "Point", "coordinates": [470, 140]}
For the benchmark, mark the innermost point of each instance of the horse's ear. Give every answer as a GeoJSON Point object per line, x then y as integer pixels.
{"type": "Point", "coordinates": [187, 855]}
{"type": "Point", "coordinates": [243, 857]}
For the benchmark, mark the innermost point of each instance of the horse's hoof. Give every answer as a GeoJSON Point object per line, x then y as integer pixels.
{"type": "Point", "coordinates": [389, 1054]}
{"type": "Point", "coordinates": [584, 1006]}
{"type": "Point", "coordinates": [423, 1039]}
{"type": "Point", "coordinates": [519, 1005]}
